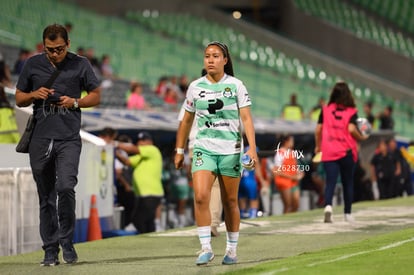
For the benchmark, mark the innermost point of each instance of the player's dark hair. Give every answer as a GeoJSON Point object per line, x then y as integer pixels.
{"type": "Point", "coordinates": [341, 95]}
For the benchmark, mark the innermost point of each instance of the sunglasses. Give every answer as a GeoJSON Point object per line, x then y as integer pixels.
{"type": "Point", "coordinates": [57, 50]}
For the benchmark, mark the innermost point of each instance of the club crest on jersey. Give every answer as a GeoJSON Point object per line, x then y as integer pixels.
{"type": "Point", "coordinates": [198, 159]}
{"type": "Point", "coordinates": [227, 92]}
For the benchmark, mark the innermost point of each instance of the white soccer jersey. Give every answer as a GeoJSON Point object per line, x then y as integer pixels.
{"type": "Point", "coordinates": [216, 107]}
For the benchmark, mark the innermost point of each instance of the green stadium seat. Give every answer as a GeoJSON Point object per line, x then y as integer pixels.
{"type": "Point", "coordinates": [149, 44]}
{"type": "Point", "coordinates": [361, 24]}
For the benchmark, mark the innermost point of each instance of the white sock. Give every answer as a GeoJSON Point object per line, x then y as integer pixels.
{"type": "Point", "coordinates": [182, 220]}
{"type": "Point", "coordinates": [204, 235]}
{"type": "Point", "coordinates": [158, 226]}
{"type": "Point", "coordinates": [232, 240]}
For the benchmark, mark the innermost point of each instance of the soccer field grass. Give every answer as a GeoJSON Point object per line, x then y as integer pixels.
{"type": "Point", "coordinates": [381, 241]}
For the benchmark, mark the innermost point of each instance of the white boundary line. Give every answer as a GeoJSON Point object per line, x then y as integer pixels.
{"type": "Point", "coordinates": [392, 245]}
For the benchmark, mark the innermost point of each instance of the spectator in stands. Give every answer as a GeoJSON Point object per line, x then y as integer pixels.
{"type": "Point", "coordinates": [106, 67]}
{"type": "Point", "coordinates": [81, 51]}
{"type": "Point", "coordinates": [55, 146]}
{"type": "Point", "coordinates": [136, 101]}
{"type": "Point", "coordinates": [386, 120]}
{"type": "Point", "coordinates": [336, 137]}
{"type": "Point", "coordinates": [316, 110]}
{"type": "Point", "coordinates": [217, 146]}
{"type": "Point", "coordinates": [24, 54]}
{"type": "Point", "coordinates": [161, 86]}
{"type": "Point", "coordinates": [368, 113]}
{"type": "Point", "coordinates": [147, 164]}
{"type": "Point", "coordinates": [288, 173]}
{"type": "Point", "coordinates": [38, 49]}
{"type": "Point", "coordinates": [8, 126]}
{"type": "Point", "coordinates": [173, 84]}
{"type": "Point", "coordinates": [384, 167]}
{"type": "Point", "coordinates": [292, 111]}
{"type": "Point", "coordinates": [90, 55]}
{"type": "Point", "coordinates": [183, 84]}
{"type": "Point", "coordinates": [171, 98]}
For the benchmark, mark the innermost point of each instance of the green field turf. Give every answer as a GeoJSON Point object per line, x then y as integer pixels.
{"type": "Point", "coordinates": [381, 241]}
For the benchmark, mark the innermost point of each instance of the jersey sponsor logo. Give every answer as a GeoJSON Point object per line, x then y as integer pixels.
{"type": "Point", "coordinates": [210, 124]}
{"type": "Point", "coordinates": [203, 94]}
{"type": "Point", "coordinates": [214, 105]}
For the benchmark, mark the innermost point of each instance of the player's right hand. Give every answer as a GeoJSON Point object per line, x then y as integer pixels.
{"type": "Point", "coordinates": [178, 161]}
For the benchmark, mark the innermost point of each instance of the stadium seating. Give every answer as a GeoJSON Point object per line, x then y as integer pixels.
{"type": "Point", "coordinates": [398, 12]}
{"type": "Point", "coordinates": [360, 23]}
{"type": "Point", "coordinates": [150, 44]}
{"type": "Point", "coordinates": [289, 70]}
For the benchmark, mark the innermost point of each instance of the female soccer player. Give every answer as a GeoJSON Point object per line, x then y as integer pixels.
{"type": "Point", "coordinates": [218, 101]}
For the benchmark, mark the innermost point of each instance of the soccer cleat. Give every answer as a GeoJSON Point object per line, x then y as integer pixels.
{"type": "Point", "coordinates": [229, 258]}
{"type": "Point", "coordinates": [328, 214]}
{"type": "Point", "coordinates": [51, 258]}
{"type": "Point", "coordinates": [69, 253]}
{"type": "Point", "coordinates": [204, 257]}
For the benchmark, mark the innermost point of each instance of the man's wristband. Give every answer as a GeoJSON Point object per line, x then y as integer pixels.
{"type": "Point", "coordinates": [179, 151]}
